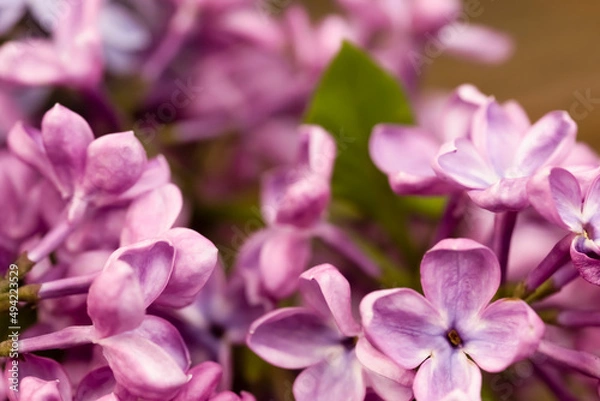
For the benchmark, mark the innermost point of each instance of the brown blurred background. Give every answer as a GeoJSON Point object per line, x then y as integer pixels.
{"type": "Point", "coordinates": [556, 64]}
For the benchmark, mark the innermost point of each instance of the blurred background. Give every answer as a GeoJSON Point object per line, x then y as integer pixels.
{"type": "Point", "coordinates": [556, 64]}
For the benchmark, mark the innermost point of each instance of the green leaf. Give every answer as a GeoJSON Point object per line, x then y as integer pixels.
{"type": "Point", "coordinates": [353, 96]}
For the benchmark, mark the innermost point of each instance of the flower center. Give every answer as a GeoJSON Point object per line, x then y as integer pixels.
{"type": "Point", "coordinates": [454, 338]}
{"type": "Point", "coordinates": [349, 342]}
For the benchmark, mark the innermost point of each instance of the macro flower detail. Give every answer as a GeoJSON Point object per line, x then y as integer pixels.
{"type": "Point", "coordinates": [503, 151]}
{"type": "Point", "coordinates": [452, 331]}
{"type": "Point", "coordinates": [321, 338]}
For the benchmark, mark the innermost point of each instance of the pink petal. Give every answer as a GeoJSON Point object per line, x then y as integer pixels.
{"type": "Point", "coordinates": [583, 255]}
{"type": "Point", "coordinates": [460, 161]}
{"type": "Point", "coordinates": [283, 257]}
{"type": "Point", "coordinates": [66, 136]}
{"type": "Point", "coordinates": [459, 278]}
{"type": "Point", "coordinates": [541, 198]}
{"type": "Point", "coordinates": [114, 163]}
{"type": "Point", "coordinates": [152, 214]}
{"type": "Point", "coordinates": [96, 384]}
{"type": "Point", "coordinates": [496, 136]}
{"type": "Point", "coordinates": [377, 364]}
{"type": "Point", "coordinates": [204, 381]}
{"type": "Point", "coordinates": [591, 206]}
{"type": "Point", "coordinates": [455, 377]}
{"type": "Point", "coordinates": [292, 338]}
{"type": "Point", "coordinates": [506, 194]}
{"type": "Point", "coordinates": [164, 334]}
{"type": "Point", "coordinates": [144, 368]}
{"type": "Point", "coordinates": [26, 143]}
{"type": "Point", "coordinates": [32, 389]}
{"type": "Point", "coordinates": [156, 174]}
{"type": "Point", "coordinates": [325, 289]}
{"type": "Point", "coordinates": [507, 332]}
{"type": "Point", "coordinates": [476, 42]}
{"type": "Point", "coordinates": [39, 377]}
{"type": "Point", "coordinates": [396, 148]}
{"type": "Point", "coordinates": [195, 260]}
{"type": "Point", "coordinates": [339, 377]}
{"type": "Point", "coordinates": [38, 61]}
{"type": "Point", "coordinates": [317, 150]}
{"type": "Point", "coordinates": [457, 114]}
{"type": "Point", "coordinates": [547, 142]}
{"type": "Point", "coordinates": [115, 300]}
{"type": "Point", "coordinates": [151, 261]}
{"type": "Point", "coordinates": [567, 198]}
{"type": "Point", "coordinates": [403, 325]}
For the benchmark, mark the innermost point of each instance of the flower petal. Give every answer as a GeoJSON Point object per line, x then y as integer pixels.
{"type": "Point", "coordinates": [195, 259]}
{"type": "Point", "coordinates": [152, 262]}
{"type": "Point", "coordinates": [495, 135]}
{"type": "Point", "coordinates": [114, 163]}
{"type": "Point", "coordinates": [397, 148]}
{"type": "Point", "coordinates": [507, 194]}
{"type": "Point", "coordinates": [459, 278]}
{"type": "Point", "coordinates": [283, 257]}
{"type": "Point", "coordinates": [457, 115]}
{"type": "Point", "coordinates": [152, 214]}
{"type": "Point", "coordinates": [66, 136]}
{"type": "Point", "coordinates": [38, 61]}
{"type": "Point", "coordinates": [476, 42]}
{"type": "Point", "coordinates": [403, 325]}
{"type": "Point", "coordinates": [547, 142]}
{"type": "Point", "coordinates": [144, 368]}
{"type": "Point", "coordinates": [338, 377]}
{"type": "Point", "coordinates": [508, 331]}
{"type": "Point", "coordinates": [317, 150]}
{"type": "Point", "coordinates": [455, 377]}
{"type": "Point", "coordinates": [204, 381]}
{"type": "Point", "coordinates": [325, 289]}
{"type": "Point", "coordinates": [96, 384]}
{"type": "Point", "coordinates": [165, 335]}
{"type": "Point", "coordinates": [39, 377]}
{"type": "Point", "coordinates": [567, 197]}
{"type": "Point", "coordinates": [292, 338]}
{"type": "Point", "coordinates": [460, 161]}
{"type": "Point", "coordinates": [115, 300]}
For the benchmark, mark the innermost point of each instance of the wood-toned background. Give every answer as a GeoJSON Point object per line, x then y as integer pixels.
{"type": "Point", "coordinates": [557, 59]}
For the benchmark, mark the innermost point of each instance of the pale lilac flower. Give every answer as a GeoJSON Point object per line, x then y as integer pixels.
{"type": "Point", "coordinates": [453, 331]}
{"type": "Point", "coordinates": [72, 56]}
{"type": "Point", "coordinates": [407, 153]}
{"type": "Point", "coordinates": [88, 173]}
{"type": "Point", "coordinates": [37, 378]}
{"type": "Point", "coordinates": [503, 151]}
{"type": "Point", "coordinates": [320, 339]}
{"type": "Point", "coordinates": [293, 202]}
{"type": "Point", "coordinates": [572, 204]}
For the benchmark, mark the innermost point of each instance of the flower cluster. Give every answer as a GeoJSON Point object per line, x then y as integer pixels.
{"type": "Point", "coordinates": [194, 207]}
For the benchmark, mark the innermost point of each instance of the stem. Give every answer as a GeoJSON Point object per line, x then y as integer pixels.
{"type": "Point", "coordinates": [66, 286]}
{"type": "Point", "coordinates": [24, 265]}
{"type": "Point", "coordinates": [65, 338]}
{"type": "Point", "coordinates": [340, 241]}
{"type": "Point", "coordinates": [558, 257]}
{"type": "Point", "coordinates": [554, 382]}
{"type": "Point", "coordinates": [553, 285]}
{"type": "Point", "coordinates": [452, 216]}
{"type": "Point", "coordinates": [581, 361]}
{"type": "Point", "coordinates": [180, 26]}
{"type": "Point", "coordinates": [52, 240]}
{"type": "Point", "coordinates": [578, 318]}
{"type": "Point", "coordinates": [504, 225]}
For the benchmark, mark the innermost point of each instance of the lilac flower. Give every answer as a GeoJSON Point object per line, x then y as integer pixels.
{"type": "Point", "coordinates": [87, 173]}
{"type": "Point", "coordinates": [37, 378]}
{"type": "Point", "coordinates": [293, 202]}
{"type": "Point", "coordinates": [452, 331]}
{"type": "Point", "coordinates": [503, 152]}
{"type": "Point", "coordinates": [147, 355]}
{"type": "Point", "coordinates": [559, 196]}
{"type": "Point", "coordinates": [407, 153]}
{"type": "Point", "coordinates": [321, 338]}
{"type": "Point", "coordinates": [73, 55]}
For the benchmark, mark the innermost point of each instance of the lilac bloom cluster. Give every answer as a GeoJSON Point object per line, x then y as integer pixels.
{"type": "Point", "coordinates": [178, 223]}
